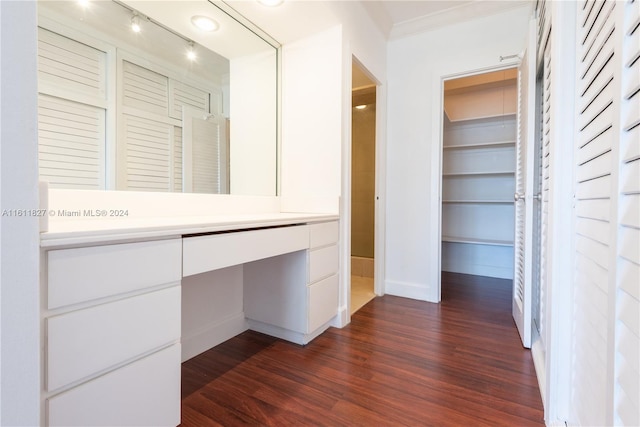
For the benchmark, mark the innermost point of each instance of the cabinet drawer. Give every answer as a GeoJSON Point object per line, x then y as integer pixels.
{"type": "Point", "coordinates": [144, 393]}
{"type": "Point", "coordinates": [212, 252]}
{"type": "Point", "coordinates": [323, 262]}
{"type": "Point", "coordinates": [85, 342]}
{"type": "Point", "coordinates": [84, 274]}
{"type": "Point", "coordinates": [323, 302]}
{"type": "Point", "coordinates": [326, 233]}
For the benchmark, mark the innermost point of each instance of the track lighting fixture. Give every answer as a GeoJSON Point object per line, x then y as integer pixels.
{"type": "Point", "coordinates": [135, 23]}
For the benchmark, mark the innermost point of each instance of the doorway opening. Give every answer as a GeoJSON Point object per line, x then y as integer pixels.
{"type": "Point", "coordinates": [478, 183]}
{"type": "Point", "coordinates": [363, 187]}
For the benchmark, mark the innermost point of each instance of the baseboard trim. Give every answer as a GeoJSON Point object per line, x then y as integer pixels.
{"type": "Point", "coordinates": [341, 319]}
{"type": "Point", "coordinates": [213, 334]}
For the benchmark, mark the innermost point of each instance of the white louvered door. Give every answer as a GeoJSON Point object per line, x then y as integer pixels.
{"type": "Point", "coordinates": [545, 165]}
{"type": "Point", "coordinates": [71, 112]}
{"type": "Point", "coordinates": [626, 406]}
{"type": "Point", "coordinates": [594, 203]}
{"type": "Point", "coordinates": [522, 283]}
{"type": "Point", "coordinates": [154, 136]}
{"type": "Point", "coordinates": [204, 153]}
{"type": "Point", "coordinates": [148, 145]}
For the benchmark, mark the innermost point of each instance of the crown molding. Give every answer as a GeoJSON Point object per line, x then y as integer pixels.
{"type": "Point", "coordinates": [454, 15]}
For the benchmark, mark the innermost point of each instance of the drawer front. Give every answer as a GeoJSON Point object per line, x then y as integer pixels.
{"type": "Point", "coordinates": [326, 233]}
{"type": "Point", "coordinates": [84, 274]}
{"type": "Point", "coordinates": [207, 253]}
{"type": "Point", "coordinates": [323, 262]}
{"type": "Point", "coordinates": [323, 302]}
{"type": "Point", "coordinates": [85, 342]}
{"type": "Point", "coordinates": [144, 393]}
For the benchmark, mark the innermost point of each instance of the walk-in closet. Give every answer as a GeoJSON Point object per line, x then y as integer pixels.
{"type": "Point", "coordinates": [478, 174]}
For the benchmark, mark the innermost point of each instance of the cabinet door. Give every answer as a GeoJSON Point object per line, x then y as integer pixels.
{"type": "Point", "coordinates": [144, 393]}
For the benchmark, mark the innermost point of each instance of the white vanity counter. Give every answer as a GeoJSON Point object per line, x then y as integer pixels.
{"type": "Point", "coordinates": [126, 300]}
{"type": "Point", "coordinates": [70, 232]}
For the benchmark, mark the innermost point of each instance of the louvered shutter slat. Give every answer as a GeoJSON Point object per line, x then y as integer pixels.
{"type": "Point", "coordinates": [70, 65]}
{"type": "Point", "coordinates": [206, 160]}
{"type": "Point", "coordinates": [177, 159]}
{"type": "Point", "coordinates": [144, 89]}
{"type": "Point", "coordinates": [185, 95]}
{"type": "Point", "coordinates": [593, 169]}
{"type": "Point", "coordinates": [71, 148]}
{"type": "Point", "coordinates": [148, 153]}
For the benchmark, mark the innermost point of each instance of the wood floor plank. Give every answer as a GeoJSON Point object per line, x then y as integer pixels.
{"type": "Point", "coordinates": [399, 362]}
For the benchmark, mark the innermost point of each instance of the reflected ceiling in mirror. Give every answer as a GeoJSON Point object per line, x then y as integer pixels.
{"type": "Point", "coordinates": [131, 110]}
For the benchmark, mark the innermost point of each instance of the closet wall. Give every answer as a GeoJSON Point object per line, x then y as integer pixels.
{"type": "Point", "coordinates": [478, 174]}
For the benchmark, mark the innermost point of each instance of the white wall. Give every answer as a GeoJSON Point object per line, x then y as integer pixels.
{"type": "Point", "coordinates": [312, 115]}
{"type": "Point", "coordinates": [316, 126]}
{"type": "Point", "coordinates": [19, 240]}
{"type": "Point", "coordinates": [415, 67]}
{"type": "Point", "coordinates": [253, 124]}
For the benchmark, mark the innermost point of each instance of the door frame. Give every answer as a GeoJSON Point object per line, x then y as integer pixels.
{"type": "Point", "coordinates": [434, 293]}
{"type": "Point", "coordinates": [380, 191]}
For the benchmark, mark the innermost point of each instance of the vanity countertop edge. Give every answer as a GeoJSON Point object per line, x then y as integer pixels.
{"type": "Point", "coordinates": [69, 233]}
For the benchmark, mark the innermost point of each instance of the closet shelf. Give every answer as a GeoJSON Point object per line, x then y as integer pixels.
{"type": "Point", "coordinates": [480, 145]}
{"type": "Point", "coordinates": [494, 173]}
{"type": "Point", "coordinates": [502, 202]}
{"type": "Point", "coordinates": [506, 116]}
{"type": "Point", "coordinates": [475, 241]}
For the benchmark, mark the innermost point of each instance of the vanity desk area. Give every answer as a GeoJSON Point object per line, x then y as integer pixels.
{"type": "Point", "coordinates": [139, 273]}
{"type": "Point", "coordinates": [113, 306]}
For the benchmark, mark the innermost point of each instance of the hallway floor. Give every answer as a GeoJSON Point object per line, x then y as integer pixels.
{"type": "Point", "coordinates": [361, 292]}
{"type": "Point", "coordinates": [399, 362]}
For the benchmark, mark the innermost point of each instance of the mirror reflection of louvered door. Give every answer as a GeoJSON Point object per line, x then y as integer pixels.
{"type": "Point", "coordinates": [204, 152]}
{"type": "Point", "coordinates": [522, 283]}
{"type": "Point", "coordinates": [147, 131]}
{"type": "Point", "coordinates": [152, 132]}
{"type": "Point", "coordinates": [71, 112]}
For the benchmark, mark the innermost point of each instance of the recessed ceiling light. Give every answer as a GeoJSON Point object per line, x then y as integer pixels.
{"type": "Point", "coordinates": [83, 3]}
{"type": "Point", "coordinates": [361, 107]}
{"type": "Point", "coordinates": [271, 3]}
{"type": "Point", "coordinates": [204, 23]}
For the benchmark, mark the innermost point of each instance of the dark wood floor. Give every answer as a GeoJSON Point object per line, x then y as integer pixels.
{"type": "Point", "coordinates": [399, 362]}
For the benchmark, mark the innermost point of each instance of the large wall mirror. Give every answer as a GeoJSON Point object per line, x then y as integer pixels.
{"type": "Point", "coordinates": [174, 96]}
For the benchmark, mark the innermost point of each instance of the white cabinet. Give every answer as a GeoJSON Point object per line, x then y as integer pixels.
{"type": "Point", "coordinates": [111, 313]}
{"type": "Point", "coordinates": [112, 331]}
{"type": "Point", "coordinates": [477, 196]}
{"type": "Point", "coordinates": [143, 393]}
{"type": "Point", "coordinates": [322, 291]}
{"type": "Point", "coordinates": [215, 251]}
{"type": "Point", "coordinates": [295, 296]}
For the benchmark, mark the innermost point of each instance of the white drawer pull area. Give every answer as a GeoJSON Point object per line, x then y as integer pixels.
{"type": "Point", "coordinates": [323, 262]}
{"type": "Point", "coordinates": [323, 301]}
{"type": "Point", "coordinates": [323, 234]}
{"type": "Point", "coordinates": [84, 342]}
{"type": "Point", "coordinates": [144, 393]}
{"type": "Point", "coordinates": [212, 252]}
{"type": "Point", "coordinates": [84, 274]}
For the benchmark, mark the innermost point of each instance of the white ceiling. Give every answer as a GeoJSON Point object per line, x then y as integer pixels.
{"type": "Point", "coordinates": [402, 11]}
{"type": "Point", "coordinates": [295, 19]}
{"type": "Point", "coordinates": [399, 18]}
